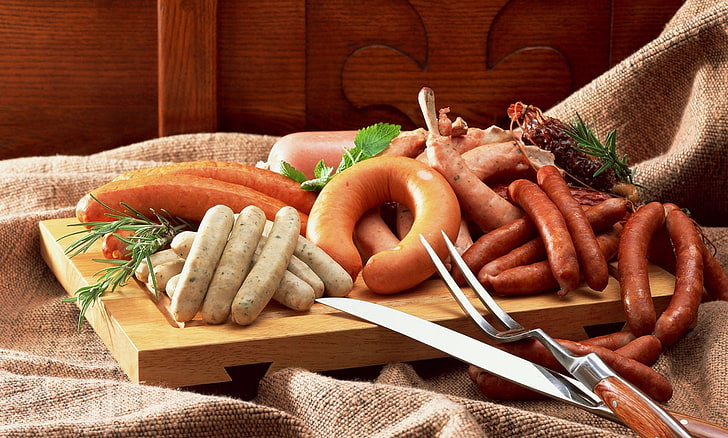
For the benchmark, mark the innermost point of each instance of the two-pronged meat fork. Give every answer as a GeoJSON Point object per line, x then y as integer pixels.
{"type": "Point", "coordinates": [633, 407]}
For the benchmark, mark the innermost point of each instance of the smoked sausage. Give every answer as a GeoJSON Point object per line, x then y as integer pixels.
{"type": "Point", "coordinates": [184, 196]}
{"type": "Point", "coordinates": [591, 259]}
{"type": "Point", "coordinates": [367, 184]}
{"type": "Point", "coordinates": [632, 272]}
{"type": "Point", "coordinates": [682, 311]}
{"type": "Point", "coordinates": [552, 227]}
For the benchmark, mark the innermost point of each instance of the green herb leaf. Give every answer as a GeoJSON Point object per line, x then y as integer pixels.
{"type": "Point", "coordinates": [291, 172]}
{"type": "Point", "coordinates": [375, 138]}
{"type": "Point", "coordinates": [368, 142]}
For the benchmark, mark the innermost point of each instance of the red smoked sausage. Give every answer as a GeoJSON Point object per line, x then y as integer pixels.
{"type": "Point", "coordinates": [632, 269]}
{"type": "Point", "coordinates": [591, 259]}
{"type": "Point", "coordinates": [682, 311]}
{"type": "Point", "coordinates": [553, 230]}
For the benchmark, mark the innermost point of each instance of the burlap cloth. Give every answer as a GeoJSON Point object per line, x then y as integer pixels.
{"type": "Point", "coordinates": [669, 104]}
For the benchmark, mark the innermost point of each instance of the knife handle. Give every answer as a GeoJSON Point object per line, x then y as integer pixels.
{"type": "Point", "coordinates": [700, 428]}
{"type": "Point", "coordinates": [637, 411]}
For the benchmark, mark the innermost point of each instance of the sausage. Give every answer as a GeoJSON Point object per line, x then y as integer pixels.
{"type": "Point", "coordinates": [367, 184]}
{"type": "Point", "coordinates": [638, 374]}
{"type": "Point", "coordinates": [403, 220]}
{"type": "Point", "coordinates": [530, 252]}
{"type": "Point", "coordinates": [611, 341]}
{"type": "Point", "coordinates": [632, 271]}
{"type": "Point", "coordinates": [538, 277]}
{"type": "Point", "coordinates": [591, 259]}
{"type": "Point", "coordinates": [172, 285]}
{"type": "Point", "coordinates": [303, 150]}
{"type": "Point", "coordinates": [234, 265]}
{"type": "Point", "coordinates": [495, 244]}
{"type": "Point", "coordinates": [497, 160]}
{"type": "Point", "coordinates": [184, 196]}
{"type": "Point", "coordinates": [265, 181]}
{"type": "Point", "coordinates": [301, 270]}
{"type": "Point", "coordinates": [212, 234]}
{"type": "Point", "coordinates": [182, 242]}
{"type": "Point", "coordinates": [606, 213]}
{"type": "Point", "coordinates": [714, 277]}
{"type": "Point", "coordinates": [601, 216]}
{"type": "Point", "coordinates": [479, 202]}
{"type": "Point", "coordinates": [497, 388]}
{"type": "Point", "coordinates": [264, 277]}
{"type": "Point", "coordinates": [372, 234]}
{"type": "Point", "coordinates": [161, 274]}
{"type": "Point", "coordinates": [645, 349]}
{"type": "Point", "coordinates": [163, 256]}
{"type": "Point", "coordinates": [294, 292]}
{"type": "Point", "coordinates": [464, 239]}
{"type": "Point", "coordinates": [115, 249]}
{"type": "Point", "coordinates": [552, 227]}
{"type": "Point", "coordinates": [682, 311]}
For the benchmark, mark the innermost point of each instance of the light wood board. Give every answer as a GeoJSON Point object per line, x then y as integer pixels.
{"type": "Point", "coordinates": [151, 348]}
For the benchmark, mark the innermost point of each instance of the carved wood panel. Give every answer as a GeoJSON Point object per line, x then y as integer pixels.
{"type": "Point", "coordinates": [79, 77]}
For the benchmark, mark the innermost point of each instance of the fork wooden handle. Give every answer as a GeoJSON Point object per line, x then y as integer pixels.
{"type": "Point", "coordinates": [637, 411]}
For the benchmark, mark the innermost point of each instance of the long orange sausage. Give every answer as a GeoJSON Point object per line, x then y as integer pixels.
{"type": "Point", "coordinates": [591, 259]}
{"type": "Point", "coordinates": [632, 273]}
{"type": "Point", "coordinates": [551, 226]}
{"type": "Point", "coordinates": [370, 183]}
{"type": "Point", "coordinates": [263, 180]}
{"type": "Point", "coordinates": [185, 196]}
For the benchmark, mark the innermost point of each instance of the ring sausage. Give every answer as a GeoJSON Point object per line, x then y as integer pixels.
{"type": "Point", "coordinates": [551, 226]}
{"type": "Point", "coordinates": [632, 268]}
{"type": "Point", "coordinates": [370, 183]}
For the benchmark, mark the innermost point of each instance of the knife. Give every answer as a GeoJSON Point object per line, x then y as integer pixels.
{"type": "Point", "coordinates": [498, 362]}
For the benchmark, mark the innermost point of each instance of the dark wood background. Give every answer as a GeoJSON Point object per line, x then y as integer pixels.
{"type": "Point", "coordinates": [80, 76]}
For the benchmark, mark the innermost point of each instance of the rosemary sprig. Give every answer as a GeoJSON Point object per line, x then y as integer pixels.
{"type": "Point", "coordinates": [149, 236]}
{"type": "Point", "coordinates": [587, 139]}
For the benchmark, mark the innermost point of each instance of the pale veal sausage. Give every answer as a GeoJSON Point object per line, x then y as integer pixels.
{"type": "Point", "coordinates": [199, 266]}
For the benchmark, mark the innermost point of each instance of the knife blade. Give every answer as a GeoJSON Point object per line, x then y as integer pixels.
{"type": "Point", "coordinates": [498, 362]}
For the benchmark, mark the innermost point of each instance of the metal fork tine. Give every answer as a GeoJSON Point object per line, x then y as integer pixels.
{"type": "Point", "coordinates": [482, 293]}
{"type": "Point", "coordinates": [460, 297]}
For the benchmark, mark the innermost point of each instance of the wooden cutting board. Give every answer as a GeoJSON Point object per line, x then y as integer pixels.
{"type": "Point", "coordinates": [151, 348]}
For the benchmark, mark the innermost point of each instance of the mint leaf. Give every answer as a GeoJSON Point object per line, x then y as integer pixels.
{"type": "Point", "coordinates": [368, 142]}
{"type": "Point", "coordinates": [291, 172]}
{"type": "Point", "coordinates": [375, 138]}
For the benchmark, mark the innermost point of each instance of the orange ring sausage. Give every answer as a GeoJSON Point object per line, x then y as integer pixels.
{"type": "Point", "coordinates": [370, 183]}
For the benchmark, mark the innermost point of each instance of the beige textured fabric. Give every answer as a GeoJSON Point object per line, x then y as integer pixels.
{"type": "Point", "coordinates": [669, 104]}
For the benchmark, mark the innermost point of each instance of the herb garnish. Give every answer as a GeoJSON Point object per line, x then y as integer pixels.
{"type": "Point", "coordinates": [368, 142]}
{"type": "Point", "coordinates": [149, 237]}
{"type": "Point", "coordinates": [587, 139]}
